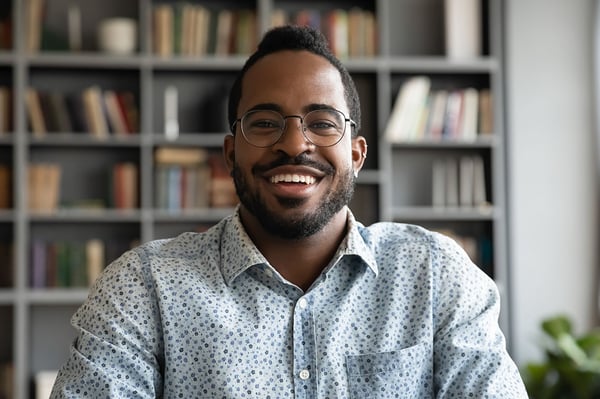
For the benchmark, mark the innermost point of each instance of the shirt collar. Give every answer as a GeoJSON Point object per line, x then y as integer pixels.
{"type": "Point", "coordinates": [238, 252]}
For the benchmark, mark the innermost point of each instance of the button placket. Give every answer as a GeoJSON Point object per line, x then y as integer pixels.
{"type": "Point", "coordinates": [304, 350]}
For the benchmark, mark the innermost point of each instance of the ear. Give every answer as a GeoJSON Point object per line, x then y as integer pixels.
{"type": "Point", "coordinates": [359, 153]}
{"type": "Point", "coordinates": [229, 151]}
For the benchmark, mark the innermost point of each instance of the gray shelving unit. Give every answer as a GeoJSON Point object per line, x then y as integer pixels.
{"type": "Point", "coordinates": [36, 331]}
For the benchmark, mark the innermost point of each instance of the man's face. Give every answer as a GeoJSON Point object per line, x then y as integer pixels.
{"type": "Point", "coordinates": [322, 178]}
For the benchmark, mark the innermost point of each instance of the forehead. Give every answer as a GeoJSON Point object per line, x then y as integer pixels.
{"type": "Point", "coordinates": [293, 80]}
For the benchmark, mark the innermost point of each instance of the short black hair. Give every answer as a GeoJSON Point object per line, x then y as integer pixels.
{"type": "Point", "coordinates": [292, 37]}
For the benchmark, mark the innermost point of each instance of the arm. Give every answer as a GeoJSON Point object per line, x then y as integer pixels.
{"type": "Point", "coordinates": [116, 353]}
{"type": "Point", "coordinates": [470, 356]}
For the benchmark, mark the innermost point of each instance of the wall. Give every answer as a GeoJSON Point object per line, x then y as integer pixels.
{"type": "Point", "coordinates": [553, 200]}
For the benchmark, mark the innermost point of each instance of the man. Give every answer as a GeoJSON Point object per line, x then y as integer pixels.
{"type": "Point", "coordinates": [290, 296]}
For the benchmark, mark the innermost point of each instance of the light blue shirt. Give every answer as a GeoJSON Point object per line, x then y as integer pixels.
{"type": "Point", "coordinates": [400, 312]}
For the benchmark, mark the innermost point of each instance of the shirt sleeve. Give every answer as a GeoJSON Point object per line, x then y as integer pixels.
{"type": "Point", "coordinates": [470, 357]}
{"type": "Point", "coordinates": [116, 350]}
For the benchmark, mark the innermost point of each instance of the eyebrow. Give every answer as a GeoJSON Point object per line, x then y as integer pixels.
{"type": "Point", "coordinates": [276, 107]}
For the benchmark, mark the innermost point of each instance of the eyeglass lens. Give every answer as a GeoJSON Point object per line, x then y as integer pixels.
{"type": "Point", "coordinates": [321, 127]}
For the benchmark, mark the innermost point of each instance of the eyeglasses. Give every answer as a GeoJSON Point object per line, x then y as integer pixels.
{"type": "Point", "coordinates": [322, 127]}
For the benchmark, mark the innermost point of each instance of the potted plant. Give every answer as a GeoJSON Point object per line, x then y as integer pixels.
{"type": "Point", "coordinates": [571, 369]}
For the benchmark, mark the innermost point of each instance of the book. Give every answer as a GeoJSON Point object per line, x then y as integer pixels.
{"type": "Point", "coordinates": [224, 32]}
{"type": "Point", "coordinates": [125, 185]}
{"type": "Point", "coordinates": [222, 188]}
{"type": "Point", "coordinates": [479, 186]}
{"type": "Point", "coordinates": [470, 113]}
{"type": "Point", "coordinates": [435, 126]}
{"type": "Point", "coordinates": [94, 111]}
{"type": "Point", "coordinates": [7, 378]}
{"type": "Point", "coordinates": [438, 182]}
{"type": "Point", "coordinates": [406, 110]}
{"type": "Point", "coordinates": [466, 181]}
{"type": "Point", "coordinates": [44, 381]}
{"type": "Point", "coordinates": [451, 183]}
{"type": "Point", "coordinates": [453, 116]}
{"type": "Point", "coordinates": [5, 187]}
{"type": "Point", "coordinates": [43, 189]}
{"type": "Point", "coordinates": [486, 112]}
{"type": "Point", "coordinates": [462, 28]}
{"type": "Point", "coordinates": [180, 155]}
{"type": "Point", "coordinates": [245, 32]}
{"type": "Point", "coordinates": [129, 109]}
{"type": "Point", "coordinates": [116, 116]}
{"type": "Point", "coordinates": [163, 18]}
{"type": "Point", "coordinates": [171, 112]}
{"type": "Point", "coordinates": [8, 266]}
{"type": "Point", "coordinates": [77, 264]}
{"type": "Point", "coordinates": [74, 26]}
{"type": "Point", "coordinates": [5, 110]}
{"type": "Point", "coordinates": [201, 32]}
{"type": "Point", "coordinates": [34, 13]}
{"type": "Point", "coordinates": [94, 252]}
{"type": "Point", "coordinates": [38, 264]}
{"type": "Point", "coordinates": [58, 107]}
{"type": "Point", "coordinates": [279, 17]}
{"type": "Point", "coordinates": [37, 124]}
{"type": "Point", "coordinates": [336, 30]}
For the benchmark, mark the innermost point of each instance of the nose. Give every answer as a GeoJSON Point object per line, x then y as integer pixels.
{"type": "Point", "coordinates": [293, 140]}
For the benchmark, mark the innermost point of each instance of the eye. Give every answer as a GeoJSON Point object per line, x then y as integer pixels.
{"type": "Point", "coordinates": [322, 125]}
{"type": "Point", "coordinates": [264, 124]}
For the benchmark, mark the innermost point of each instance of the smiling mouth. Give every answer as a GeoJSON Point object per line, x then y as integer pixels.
{"type": "Point", "coordinates": [293, 178]}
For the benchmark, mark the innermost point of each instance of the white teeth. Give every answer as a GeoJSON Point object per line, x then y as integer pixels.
{"type": "Point", "coordinates": [293, 178]}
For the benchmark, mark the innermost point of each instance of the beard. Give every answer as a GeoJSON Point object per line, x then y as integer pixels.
{"type": "Point", "coordinates": [302, 226]}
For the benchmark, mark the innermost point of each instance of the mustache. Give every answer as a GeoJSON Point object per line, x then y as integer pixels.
{"type": "Point", "coordinates": [299, 160]}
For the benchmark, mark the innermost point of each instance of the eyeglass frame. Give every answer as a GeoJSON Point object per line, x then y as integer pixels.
{"type": "Point", "coordinates": [285, 118]}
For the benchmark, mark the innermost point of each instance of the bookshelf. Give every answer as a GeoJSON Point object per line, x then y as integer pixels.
{"type": "Point", "coordinates": [395, 185]}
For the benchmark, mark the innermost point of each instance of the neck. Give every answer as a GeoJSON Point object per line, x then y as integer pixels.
{"type": "Point", "coordinates": [300, 261]}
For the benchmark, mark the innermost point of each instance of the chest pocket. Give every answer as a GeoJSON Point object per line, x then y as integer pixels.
{"type": "Point", "coordinates": [399, 374]}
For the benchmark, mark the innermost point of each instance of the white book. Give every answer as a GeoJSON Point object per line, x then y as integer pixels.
{"type": "Point", "coordinates": [479, 193]}
{"type": "Point", "coordinates": [451, 182]}
{"type": "Point", "coordinates": [74, 23]}
{"type": "Point", "coordinates": [407, 108]}
{"type": "Point", "coordinates": [94, 251]}
{"type": "Point", "coordinates": [466, 181]}
{"type": "Point", "coordinates": [463, 28]}
{"type": "Point", "coordinates": [44, 381]}
{"type": "Point", "coordinates": [468, 125]}
{"type": "Point", "coordinates": [435, 126]}
{"type": "Point", "coordinates": [438, 180]}
{"type": "Point", "coordinates": [171, 113]}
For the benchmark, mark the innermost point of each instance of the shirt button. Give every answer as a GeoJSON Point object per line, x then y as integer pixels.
{"type": "Point", "coordinates": [302, 303]}
{"type": "Point", "coordinates": [304, 374]}
{"type": "Point", "coordinates": [268, 272]}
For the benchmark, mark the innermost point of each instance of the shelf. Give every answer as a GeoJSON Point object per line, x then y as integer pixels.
{"type": "Point", "coordinates": [481, 142]}
{"type": "Point", "coordinates": [395, 174]}
{"type": "Point", "coordinates": [84, 139]}
{"type": "Point", "coordinates": [433, 64]}
{"type": "Point", "coordinates": [191, 139]}
{"type": "Point", "coordinates": [426, 213]}
{"type": "Point", "coordinates": [86, 215]}
{"type": "Point", "coordinates": [7, 215]}
{"type": "Point", "coordinates": [192, 215]}
{"type": "Point", "coordinates": [207, 63]}
{"type": "Point", "coordinates": [90, 60]}
{"type": "Point", "coordinates": [7, 296]}
{"type": "Point", "coordinates": [56, 296]}
{"type": "Point", "coordinates": [7, 139]}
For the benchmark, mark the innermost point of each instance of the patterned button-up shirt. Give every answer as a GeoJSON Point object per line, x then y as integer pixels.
{"type": "Point", "coordinates": [400, 312]}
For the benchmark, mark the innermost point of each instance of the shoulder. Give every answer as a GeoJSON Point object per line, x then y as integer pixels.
{"type": "Point", "coordinates": [185, 245]}
{"type": "Point", "coordinates": [408, 246]}
{"type": "Point", "coordinates": [393, 235]}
